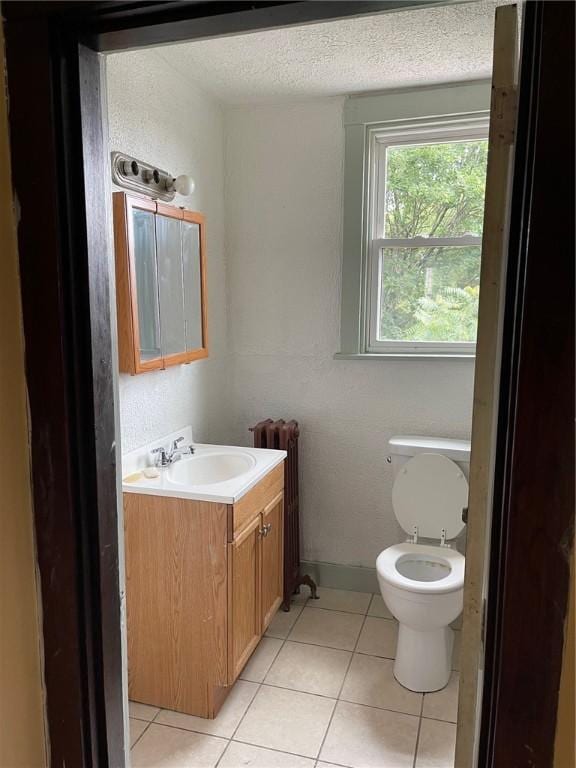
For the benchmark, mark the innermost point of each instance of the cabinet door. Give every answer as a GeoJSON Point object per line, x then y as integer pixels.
{"type": "Point", "coordinates": [244, 612]}
{"type": "Point", "coordinates": [272, 558]}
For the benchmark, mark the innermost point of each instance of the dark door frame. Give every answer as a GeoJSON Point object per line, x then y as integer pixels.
{"type": "Point", "coordinates": [58, 175]}
{"type": "Point", "coordinates": [533, 512]}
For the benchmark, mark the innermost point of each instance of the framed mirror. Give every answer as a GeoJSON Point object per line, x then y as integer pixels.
{"type": "Point", "coordinates": [160, 284]}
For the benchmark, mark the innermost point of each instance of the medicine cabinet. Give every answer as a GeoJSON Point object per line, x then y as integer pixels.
{"type": "Point", "coordinates": [160, 284]}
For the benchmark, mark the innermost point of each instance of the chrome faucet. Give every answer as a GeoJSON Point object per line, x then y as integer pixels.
{"type": "Point", "coordinates": [174, 453]}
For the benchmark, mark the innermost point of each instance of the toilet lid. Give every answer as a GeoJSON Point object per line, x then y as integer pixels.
{"type": "Point", "coordinates": [430, 493]}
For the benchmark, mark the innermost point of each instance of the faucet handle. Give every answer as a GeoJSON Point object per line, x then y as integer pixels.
{"type": "Point", "coordinates": [162, 459]}
{"type": "Point", "coordinates": [176, 442]}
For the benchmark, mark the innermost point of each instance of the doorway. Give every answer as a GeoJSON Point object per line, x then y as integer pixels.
{"type": "Point", "coordinates": [93, 532]}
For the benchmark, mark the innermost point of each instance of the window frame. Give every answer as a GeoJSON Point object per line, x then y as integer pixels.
{"type": "Point", "coordinates": [380, 138]}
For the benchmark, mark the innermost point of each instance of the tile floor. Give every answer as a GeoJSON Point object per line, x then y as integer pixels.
{"type": "Point", "coordinates": [318, 692]}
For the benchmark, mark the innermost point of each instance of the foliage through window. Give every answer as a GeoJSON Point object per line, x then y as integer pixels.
{"type": "Point", "coordinates": [425, 240]}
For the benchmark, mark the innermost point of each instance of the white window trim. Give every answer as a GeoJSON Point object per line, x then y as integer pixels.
{"type": "Point", "coordinates": [409, 107]}
{"type": "Point", "coordinates": [379, 138]}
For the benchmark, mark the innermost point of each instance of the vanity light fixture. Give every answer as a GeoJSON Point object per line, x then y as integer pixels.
{"type": "Point", "coordinates": [137, 176]}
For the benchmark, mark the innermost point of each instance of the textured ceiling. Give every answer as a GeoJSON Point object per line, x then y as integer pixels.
{"type": "Point", "coordinates": [392, 50]}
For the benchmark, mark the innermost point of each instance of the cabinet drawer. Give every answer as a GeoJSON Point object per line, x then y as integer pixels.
{"type": "Point", "coordinates": [250, 505]}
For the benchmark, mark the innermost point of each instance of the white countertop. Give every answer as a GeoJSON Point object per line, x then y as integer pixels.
{"type": "Point", "coordinates": [225, 492]}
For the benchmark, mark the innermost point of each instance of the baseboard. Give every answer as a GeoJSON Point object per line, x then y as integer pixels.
{"type": "Point", "coordinates": [336, 576]}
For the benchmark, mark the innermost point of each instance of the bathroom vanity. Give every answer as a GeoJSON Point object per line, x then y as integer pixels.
{"type": "Point", "coordinates": [204, 573]}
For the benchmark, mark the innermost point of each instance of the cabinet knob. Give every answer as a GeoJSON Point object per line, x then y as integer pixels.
{"type": "Point", "coordinates": [265, 530]}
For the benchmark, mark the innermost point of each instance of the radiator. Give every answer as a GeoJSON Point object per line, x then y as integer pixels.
{"type": "Point", "coordinates": [283, 435]}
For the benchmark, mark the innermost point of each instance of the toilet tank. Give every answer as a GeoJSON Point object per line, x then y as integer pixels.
{"type": "Point", "coordinates": [403, 447]}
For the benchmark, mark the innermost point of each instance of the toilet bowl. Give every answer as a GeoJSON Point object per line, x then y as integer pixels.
{"type": "Point", "coordinates": [422, 582]}
{"type": "Point", "coordinates": [423, 587]}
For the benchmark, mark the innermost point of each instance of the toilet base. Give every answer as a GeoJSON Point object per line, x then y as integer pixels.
{"type": "Point", "coordinates": [423, 658]}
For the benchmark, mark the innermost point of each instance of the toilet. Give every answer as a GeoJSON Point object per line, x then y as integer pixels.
{"type": "Point", "coordinates": [422, 579]}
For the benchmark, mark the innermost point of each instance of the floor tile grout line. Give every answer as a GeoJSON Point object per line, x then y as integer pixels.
{"type": "Point", "coordinates": [148, 724]}
{"type": "Point", "coordinates": [294, 690]}
{"type": "Point", "coordinates": [347, 701]}
{"type": "Point", "coordinates": [260, 687]}
{"type": "Point", "coordinates": [228, 742]}
{"type": "Point", "coordinates": [340, 765]}
{"type": "Point", "coordinates": [191, 730]}
{"type": "Point", "coordinates": [283, 640]}
{"type": "Point", "coordinates": [320, 645]}
{"type": "Point", "coordinates": [287, 639]}
{"type": "Point", "coordinates": [263, 682]}
{"type": "Point", "coordinates": [418, 734]}
{"type": "Point", "coordinates": [139, 737]}
{"type": "Point", "coordinates": [338, 610]}
{"type": "Point", "coordinates": [145, 729]}
{"type": "Point", "coordinates": [272, 749]}
{"type": "Point", "coordinates": [439, 720]}
{"type": "Point", "coordinates": [342, 685]}
{"type": "Point", "coordinates": [228, 739]}
{"type": "Point", "coordinates": [298, 690]}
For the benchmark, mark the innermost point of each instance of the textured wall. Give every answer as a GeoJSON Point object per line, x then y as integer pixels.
{"type": "Point", "coordinates": [274, 305]}
{"type": "Point", "coordinates": [372, 53]}
{"type": "Point", "coordinates": [22, 739]}
{"type": "Point", "coordinates": [157, 115]}
{"type": "Point", "coordinates": [283, 241]}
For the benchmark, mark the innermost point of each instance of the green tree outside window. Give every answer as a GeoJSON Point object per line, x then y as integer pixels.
{"type": "Point", "coordinates": [433, 190]}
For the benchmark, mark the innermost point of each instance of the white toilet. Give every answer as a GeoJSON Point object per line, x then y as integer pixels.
{"type": "Point", "coordinates": [422, 580]}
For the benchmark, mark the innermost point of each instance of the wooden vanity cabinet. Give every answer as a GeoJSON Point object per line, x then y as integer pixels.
{"type": "Point", "coordinates": [256, 573]}
{"type": "Point", "coordinates": [272, 558]}
{"type": "Point", "coordinates": [203, 581]}
{"type": "Point", "coordinates": [244, 596]}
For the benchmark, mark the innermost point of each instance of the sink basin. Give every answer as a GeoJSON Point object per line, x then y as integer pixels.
{"type": "Point", "coordinates": [220, 474]}
{"type": "Point", "coordinates": [210, 469]}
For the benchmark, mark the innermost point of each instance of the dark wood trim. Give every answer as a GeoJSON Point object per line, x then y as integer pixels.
{"type": "Point", "coordinates": [533, 523]}
{"type": "Point", "coordinates": [104, 545]}
{"type": "Point", "coordinates": [127, 24]}
{"type": "Point", "coordinates": [50, 368]}
{"type": "Point", "coordinates": [56, 138]}
{"type": "Point", "coordinates": [181, 21]}
{"type": "Point", "coordinates": [57, 168]}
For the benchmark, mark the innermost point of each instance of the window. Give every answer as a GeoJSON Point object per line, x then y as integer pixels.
{"type": "Point", "coordinates": [425, 235]}
{"type": "Point", "coordinates": [412, 226]}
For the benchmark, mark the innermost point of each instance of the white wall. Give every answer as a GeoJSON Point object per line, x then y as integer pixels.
{"type": "Point", "coordinates": [269, 179]}
{"type": "Point", "coordinates": [284, 169]}
{"type": "Point", "coordinates": [158, 116]}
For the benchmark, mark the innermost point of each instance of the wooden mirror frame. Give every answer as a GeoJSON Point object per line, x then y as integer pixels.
{"type": "Point", "coordinates": [130, 360]}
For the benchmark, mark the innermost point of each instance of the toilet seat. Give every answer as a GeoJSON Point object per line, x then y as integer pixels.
{"type": "Point", "coordinates": [428, 559]}
{"type": "Point", "coordinates": [429, 495]}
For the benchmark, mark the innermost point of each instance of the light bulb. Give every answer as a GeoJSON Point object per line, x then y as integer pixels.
{"type": "Point", "coordinates": [184, 185]}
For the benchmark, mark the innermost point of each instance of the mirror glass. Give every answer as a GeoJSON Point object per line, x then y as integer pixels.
{"type": "Point", "coordinates": [146, 284]}
{"type": "Point", "coordinates": [192, 284]}
{"type": "Point", "coordinates": [169, 248]}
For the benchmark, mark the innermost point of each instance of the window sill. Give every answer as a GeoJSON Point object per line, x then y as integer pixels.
{"type": "Point", "coordinates": [402, 356]}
